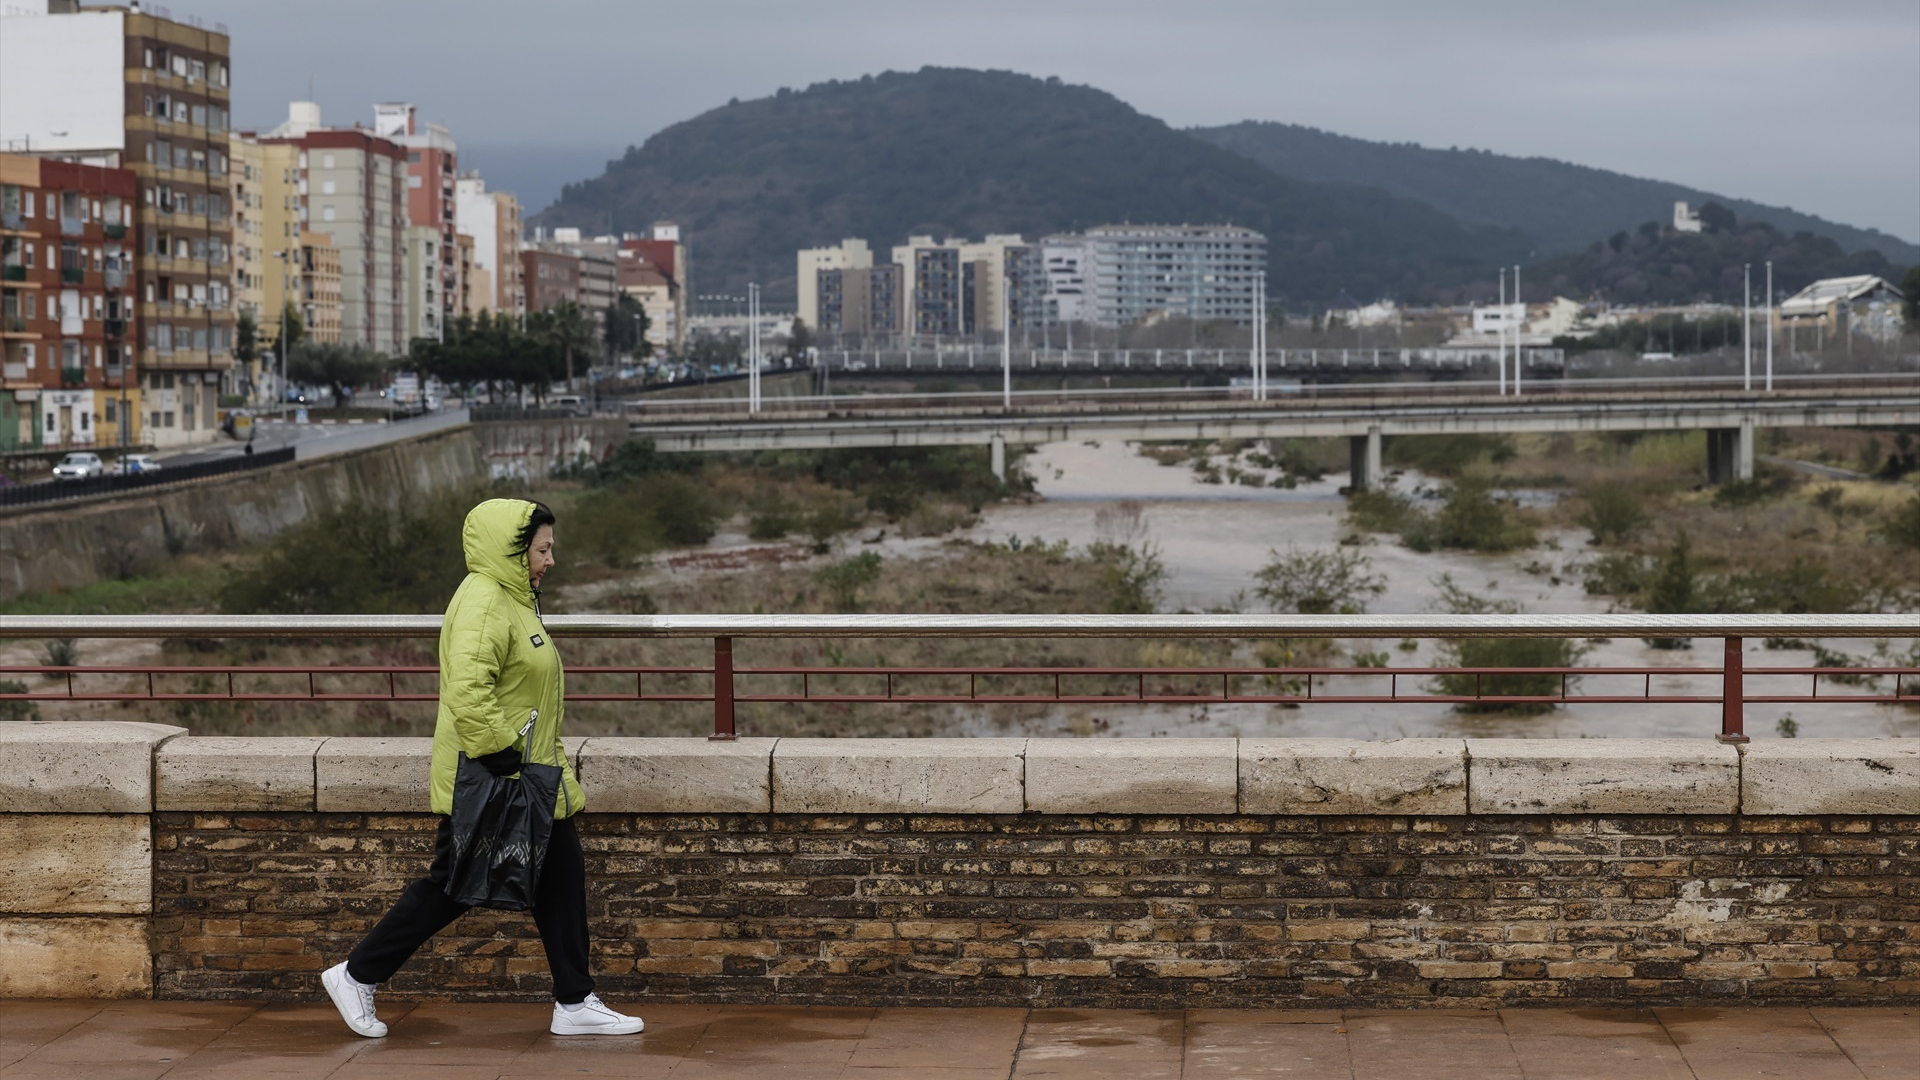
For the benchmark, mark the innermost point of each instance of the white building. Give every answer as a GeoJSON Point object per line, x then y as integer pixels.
{"type": "Point", "coordinates": [476, 215]}
{"type": "Point", "coordinates": [1685, 219]}
{"type": "Point", "coordinates": [852, 254]}
{"type": "Point", "coordinates": [1065, 260]}
{"type": "Point", "coordinates": [1202, 272]}
{"type": "Point", "coordinates": [1863, 304]}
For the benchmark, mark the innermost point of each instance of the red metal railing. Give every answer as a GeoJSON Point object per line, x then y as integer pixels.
{"type": "Point", "coordinates": [727, 686]}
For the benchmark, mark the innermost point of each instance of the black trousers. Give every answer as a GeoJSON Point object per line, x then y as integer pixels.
{"type": "Point", "coordinates": [559, 910]}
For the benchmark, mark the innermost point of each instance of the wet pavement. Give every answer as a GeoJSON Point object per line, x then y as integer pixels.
{"type": "Point", "coordinates": [142, 1040]}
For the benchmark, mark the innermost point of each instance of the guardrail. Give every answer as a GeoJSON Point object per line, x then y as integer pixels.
{"type": "Point", "coordinates": [1492, 686]}
{"type": "Point", "coordinates": [47, 491]}
{"type": "Point", "coordinates": [1283, 395]}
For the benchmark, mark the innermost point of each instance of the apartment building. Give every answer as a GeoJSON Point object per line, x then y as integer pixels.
{"type": "Point", "coordinates": [1200, 272]}
{"type": "Point", "coordinates": [68, 279]}
{"type": "Point", "coordinates": [653, 270]}
{"type": "Point", "coordinates": [851, 254]}
{"type": "Point", "coordinates": [141, 91]}
{"type": "Point", "coordinates": [433, 163]}
{"type": "Point", "coordinates": [351, 188]}
{"type": "Point", "coordinates": [321, 302]}
{"type": "Point", "coordinates": [550, 277]}
{"type": "Point", "coordinates": [597, 258]}
{"type": "Point", "coordinates": [426, 307]}
{"type": "Point", "coordinates": [861, 303]}
{"type": "Point", "coordinates": [957, 288]}
{"type": "Point", "coordinates": [492, 218]}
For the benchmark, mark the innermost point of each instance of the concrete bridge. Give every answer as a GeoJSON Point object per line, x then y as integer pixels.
{"type": "Point", "coordinates": [1729, 417]}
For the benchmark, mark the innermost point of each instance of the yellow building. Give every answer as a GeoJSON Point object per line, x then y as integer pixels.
{"type": "Point", "coordinates": [319, 303]}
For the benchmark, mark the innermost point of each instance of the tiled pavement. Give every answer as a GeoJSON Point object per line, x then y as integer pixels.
{"type": "Point", "coordinates": [77, 1040]}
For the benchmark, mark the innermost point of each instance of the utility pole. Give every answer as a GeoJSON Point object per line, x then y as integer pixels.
{"type": "Point", "coordinates": [1769, 326]}
{"type": "Point", "coordinates": [1006, 339]}
{"type": "Point", "coordinates": [753, 348]}
{"type": "Point", "coordinates": [1518, 328]}
{"type": "Point", "coordinates": [1746, 327]}
{"type": "Point", "coordinates": [1501, 329]}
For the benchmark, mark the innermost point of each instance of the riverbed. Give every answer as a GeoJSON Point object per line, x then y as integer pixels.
{"type": "Point", "coordinates": [1212, 538]}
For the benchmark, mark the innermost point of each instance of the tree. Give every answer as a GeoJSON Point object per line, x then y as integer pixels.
{"type": "Point", "coordinates": [567, 329]}
{"type": "Point", "coordinates": [1910, 305]}
{"type": "Point", "coordinates": [626, 328]}
{"type": "Point", "coordinates": [1332, 581]}
{"type": "Point", "coordinates": [341, 367]}
{"type": "Point", "coordinates": [1717, 218]}
{"type": "Point", "coordinates": [800, 340]}
{"type": "Point", "coordinates": [296, 329]}
{"type": "Point", "coordinates": [246, 339]}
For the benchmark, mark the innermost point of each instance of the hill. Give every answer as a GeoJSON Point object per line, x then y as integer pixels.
{"type": "Point", "coordinates": [1565, 207]}
{"type": "Point", "coordinates": [1655, 264]}
{"type": "Point", "coordinates": [958, 152]}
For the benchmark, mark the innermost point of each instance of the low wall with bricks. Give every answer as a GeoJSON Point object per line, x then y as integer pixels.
{"type": "Point", "coordinates": [1167, 872]}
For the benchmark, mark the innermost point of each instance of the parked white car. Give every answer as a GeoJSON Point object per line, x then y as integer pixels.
{"type": "Point", "coordinates": [130, 464]}
{"type": "Point", "coordinates": [78, 465]}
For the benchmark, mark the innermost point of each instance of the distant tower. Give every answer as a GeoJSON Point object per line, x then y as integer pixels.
{"type": "Point", "coordinates": [1685, 220]}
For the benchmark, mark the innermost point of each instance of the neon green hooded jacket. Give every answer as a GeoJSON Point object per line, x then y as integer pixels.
{"type": "Point", "coordinates": [497, 663]}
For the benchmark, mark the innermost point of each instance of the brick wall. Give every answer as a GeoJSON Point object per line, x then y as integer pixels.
{"type": "Point", "coordinates": [1061, 909]}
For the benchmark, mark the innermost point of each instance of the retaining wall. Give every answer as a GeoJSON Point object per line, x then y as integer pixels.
{"type": "Point", "coordinates": [1146, 873]}
{"type": "Point", "coordinates": [67, 545]}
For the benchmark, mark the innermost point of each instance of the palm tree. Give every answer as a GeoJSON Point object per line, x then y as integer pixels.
{"type": "Point", "coordinates": [568, 328]}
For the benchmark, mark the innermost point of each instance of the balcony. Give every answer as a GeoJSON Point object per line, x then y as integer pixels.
{"type": "Point", "coordinates": [13, 324]}
{"type": "Point", "coordinates": [72, 275]}
{"type": "Point", "coordinates": [73, 376]}
{"type": "Point", "coordinates": [12, 219]}
{"type": "Point", "coordinates": [115, 278]}
{"type": "Point", "coordinates": [71, 226]}
{"type": "Point", "coordinates": [115, 232]}
{"type": "Point", "coordinates": [13, 273]}
{"type": "Point", "coordinates": [116, 328]}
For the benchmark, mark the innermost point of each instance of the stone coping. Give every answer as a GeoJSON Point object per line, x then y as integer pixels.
{"type": "Point", "coordinates": [106, 768]}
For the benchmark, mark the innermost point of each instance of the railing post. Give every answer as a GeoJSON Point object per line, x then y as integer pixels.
{"type": "Point", "coordinates": [1733, 703]}
{"type": "Point", "coordinates": [722, 689]}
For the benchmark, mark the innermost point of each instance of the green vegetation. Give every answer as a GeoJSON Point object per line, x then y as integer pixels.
{"type": "Point", "coordinates": [1563, 206]}
{"type": "Point", "coordinates": [16, 710]}
{"type": "Point", "coordinates": [1500, 653]}
{"type": "Point", "coordinates": [889, 155]}
{"type": "Point", "coordinates": [1674, 334]}
{"type": "Point", "coordinates": [1331, 581]}
{"type": "Point", "coordinates": [1470, 518]}
{"type": "Point", "coordinates": [358, 560]}
{"type": "Point", "coordinates": [846, 579]}
{"type": "Point", "coordinates": [1616, 511]}
{"type": "Point", "coordinates": [340, 367]}
{"type": "Point", "coordinates": [188, 585]}
{"type": "Point", "coordinates": [1447, 455]}
{"type": "Point", "coordinates": [1903, 525]}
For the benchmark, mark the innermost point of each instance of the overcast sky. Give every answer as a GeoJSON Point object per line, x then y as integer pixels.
{"type": "Point", "coordinates": [1813, 104]}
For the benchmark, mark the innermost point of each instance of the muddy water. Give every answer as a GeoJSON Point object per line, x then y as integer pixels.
{"type": "Point", "coordinates": [1213, 537]}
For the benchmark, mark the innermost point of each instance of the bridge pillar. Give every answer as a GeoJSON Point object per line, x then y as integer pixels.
{"type": "Point", "coordinates": [1363, 457]}
{"type": "Point", "coordinates": [1730, 453]}
{"type": "Point", "coordinates": [997, 456]}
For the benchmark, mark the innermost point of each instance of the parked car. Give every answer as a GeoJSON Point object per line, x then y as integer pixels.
{"type": "Point", "coordinates": [129, 464]}
{"type": "Point", "coordinates": [79, 465]}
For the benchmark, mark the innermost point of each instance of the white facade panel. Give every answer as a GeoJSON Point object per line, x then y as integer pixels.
{"type": "Point", "coordinates": [62, 82]}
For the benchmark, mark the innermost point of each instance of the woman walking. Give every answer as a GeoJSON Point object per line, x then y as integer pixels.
{"type": "Point", "coordinates": [498, 669]}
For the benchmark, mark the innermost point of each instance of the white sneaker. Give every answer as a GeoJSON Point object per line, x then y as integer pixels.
{"type": "Point", "coordinates": [593, 1017]}
{"type": "Point", "coordinates": [354, 1000]}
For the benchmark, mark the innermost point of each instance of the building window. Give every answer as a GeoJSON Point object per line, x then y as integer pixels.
{"type": "Point", "coordinates": [326, 213]}
{"type": "Point", "coordinates": [113, 411]}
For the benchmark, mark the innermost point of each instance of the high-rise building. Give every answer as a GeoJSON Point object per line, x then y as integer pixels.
{"type": "Point", "coordinates": [956, 288]}
{"type": "Point", "coordinates": [322, 299]}
{"type": "Point", "coordinates": [852, 254]}
{"type": "Point", "coordinates": [426, 305]}
{"type": "Point", "coordinates": [858, 303]}
{"type": "Point", "coordinates": [433, 163]}
{"type": "Point", "coordinates": [122, 87]}
{"type": "Point", "coordinates": [352, 188]}
{"type": "Point", "coordinates": [492, 218]}
{"type": "Point", "coordinates": [653, 270]}
{"type": "Point", "coordinates": [67, 282]}
{"type": "Point", "coordinates": [551, 277]}
{"type": "Point", "coordinates": [1200, 272]}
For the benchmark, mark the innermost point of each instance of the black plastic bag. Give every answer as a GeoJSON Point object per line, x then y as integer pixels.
{"type": "Point", "coordinates": [501, 825]}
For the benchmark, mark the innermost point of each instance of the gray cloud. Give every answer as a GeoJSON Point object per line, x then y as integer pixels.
{"type": "Point", "coordinates": [1816, 106]}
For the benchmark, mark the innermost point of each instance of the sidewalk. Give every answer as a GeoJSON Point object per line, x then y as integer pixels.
{"type": "Point", "coordinates": [140, 1040]}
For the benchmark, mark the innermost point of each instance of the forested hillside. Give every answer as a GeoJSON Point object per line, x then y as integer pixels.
{"type": "Point", "coordinates": [965, 153]}
{"type": "Point", "coordinates": [1565, 207]}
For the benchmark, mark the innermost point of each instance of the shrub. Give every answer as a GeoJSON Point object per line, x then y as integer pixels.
{"type": "Point", "coordinates": [16, 710]}
{"type": "Point", "coordinates": [1447, 455]}
{"type": "Point", "coordinates": [1334, 580]}
{"type": "Point", "coordinates": [771, 518]}
{"type": "Point", "coordinates": [633, 518]}
{"type": "Point", "coordinates": [1500, 653]}
{"type": "Point", "coordinates": [1380, 510]}
{"type": "Point", "coordinates": [403, 562]}
{"type": "Point", "coordinates": [1134, 577]}
{"type": "Point", "coordinates": [1903, 525]}
{"type": "Point", "coordinates": [61, 652]}
{"type": "Point", "coordinates": [844, 580]}
{"type": "Point", "coordinates": [1473, 519]}
{"type": "Point", "coordinates": [636, 458]}
{"type": "Point", "coordinates": [1614, 513]}
{"type": "Point", "coordinates": [1620, 573]}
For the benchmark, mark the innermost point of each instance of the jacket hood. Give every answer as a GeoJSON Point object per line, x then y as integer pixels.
{"type": "Point", "coordinates": [488, 541]}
